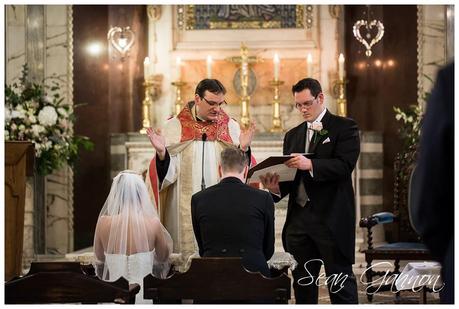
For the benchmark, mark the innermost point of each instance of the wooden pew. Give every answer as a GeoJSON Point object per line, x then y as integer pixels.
{"type": "Point", "coordinates": [66, 282]}
{"type": "Point", "coordinates": [218, 280]}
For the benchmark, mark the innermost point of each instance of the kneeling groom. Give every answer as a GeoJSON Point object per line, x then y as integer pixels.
{"type": "Point", "coordinates": [232, 219]}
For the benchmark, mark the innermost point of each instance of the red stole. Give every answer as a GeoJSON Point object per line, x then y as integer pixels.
{"type": "Point", "coordinates": [193, 130]}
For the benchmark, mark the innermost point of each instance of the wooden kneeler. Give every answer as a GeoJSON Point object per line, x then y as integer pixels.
{"type": "Point", "coordinates": [66, 282]}
{"type": "Point", "coordinates": [218, 280]}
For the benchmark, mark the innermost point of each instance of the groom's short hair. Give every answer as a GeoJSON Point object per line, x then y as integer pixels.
{"type": "Point", "coordinates": [308, 83]}
{"type": "Point", "coordinates": [233, 159]}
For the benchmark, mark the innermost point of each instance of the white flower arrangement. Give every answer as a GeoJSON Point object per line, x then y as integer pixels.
{"type": "Point", "coordinates": [38, 114]}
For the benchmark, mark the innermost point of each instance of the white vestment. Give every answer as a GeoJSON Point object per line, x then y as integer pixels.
{"type": "Point", "coordinates": [183, 179]}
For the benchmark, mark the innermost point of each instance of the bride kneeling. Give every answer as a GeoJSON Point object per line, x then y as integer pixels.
{"type": "Point", "coordinates": [130, 241]}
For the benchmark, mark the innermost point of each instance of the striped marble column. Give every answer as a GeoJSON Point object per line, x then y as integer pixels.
{"type": "Point", "coordinates": [370, 182]}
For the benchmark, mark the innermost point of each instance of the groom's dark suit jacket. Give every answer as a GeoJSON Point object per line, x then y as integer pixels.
{"type": "Point", "coordinates": [232, 219]}
{"type": "Point", "coordinates": [330, 191]}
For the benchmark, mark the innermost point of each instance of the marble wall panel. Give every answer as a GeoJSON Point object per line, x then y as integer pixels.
{"type": "Point", "coordinates": [57, 54]}
{"type": "Point", "coordinates": [15, 41]}
{"type": "Point", "coordinates": [56, 15]}
{"type": "Point", "coordinates": [59, 225]}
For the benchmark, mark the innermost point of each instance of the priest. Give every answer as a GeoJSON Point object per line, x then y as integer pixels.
{"type": "Point", "coordinates": [187, 157]}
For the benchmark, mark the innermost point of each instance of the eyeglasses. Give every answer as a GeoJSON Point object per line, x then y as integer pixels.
{"type": "Point", "coordinates": [214, 104]}
{"type": "Point", "coordinates": [306, 104]}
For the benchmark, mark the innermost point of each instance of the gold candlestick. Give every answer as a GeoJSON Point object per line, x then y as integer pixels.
{"type": "Point", "coordinates": [339, 93]}
{"type": "Point", "coordinates": [277, 121]}
{"type": "Point", "coordinates": [178, 96]}
{"type": "Point", "coordinates": [341, 101]}
{"type": "Point", "coordinates": [245, 98]}
{"type": "Point", "coordinates": [152, 92]}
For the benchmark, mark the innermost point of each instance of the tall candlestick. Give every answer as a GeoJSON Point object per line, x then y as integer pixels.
{"type": "Point", "coordinates": [209, 66]}
{"type": "Point", "coordinates": [341, 67]}
{"type": "Point", "coordinates": [244, 76]}
{"type": "Point", "coordinates": [276, 62]}
{"type": "Point", "coordinates": [146, 68]}
{"type": "Point", "coordinates": [309, 66]}
{"type": "Point", "coordinates": [277, 121]}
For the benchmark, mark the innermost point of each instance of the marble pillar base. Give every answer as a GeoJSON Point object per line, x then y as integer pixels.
{"type": "Point", "coordinates": [28, 243]}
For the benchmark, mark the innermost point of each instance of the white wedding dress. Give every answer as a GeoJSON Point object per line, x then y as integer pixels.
{"type": "Point", "coordinates": [134, 268]}
{"type": "Point", "coordinates": [130, 240]}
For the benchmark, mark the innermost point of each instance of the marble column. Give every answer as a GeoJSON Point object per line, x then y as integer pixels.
{"type": "Point", "coordinates": [431, 46]}
{"type": "Point", "coordinates": [369, 185]}
{"type": "Point", "coordinates": [59, 184]}
{"type": "Point", "coordinates": [35, 47]}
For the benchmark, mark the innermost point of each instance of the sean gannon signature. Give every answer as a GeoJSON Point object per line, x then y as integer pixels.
{"type": "Point", "coordinates": [336, 281]}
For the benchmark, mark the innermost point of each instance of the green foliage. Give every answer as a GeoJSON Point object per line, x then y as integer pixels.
{"type": "Point", "coordinates": [410, 129]}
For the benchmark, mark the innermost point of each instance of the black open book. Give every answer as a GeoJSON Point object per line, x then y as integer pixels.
{"type": "Point", "coordinates": [273, 165]}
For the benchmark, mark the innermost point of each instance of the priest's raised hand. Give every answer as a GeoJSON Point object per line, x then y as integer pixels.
{"type": "Point", "coordinates": [246, 136]}
{"type": "Point", "coordinates": [158, 141]}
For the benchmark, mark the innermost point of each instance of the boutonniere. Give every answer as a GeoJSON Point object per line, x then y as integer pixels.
{"type": "Point", "coordinates": [318, 129]}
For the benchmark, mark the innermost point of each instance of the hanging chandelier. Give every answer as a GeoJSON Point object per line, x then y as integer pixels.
{"type": "Point", "coordinates": [121, 39]}
{"type": "Point", "coordinates": [369, 39]}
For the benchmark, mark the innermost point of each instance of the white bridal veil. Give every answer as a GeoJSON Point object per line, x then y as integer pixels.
{"type": "Point", "coordinates": [129, 240]}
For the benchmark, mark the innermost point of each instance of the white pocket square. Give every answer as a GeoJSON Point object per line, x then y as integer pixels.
{"type": "Point", "coordinates": [327, 140]}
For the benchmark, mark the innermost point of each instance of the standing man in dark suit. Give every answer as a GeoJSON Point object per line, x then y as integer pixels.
{"type": "Point", "coordinates": [232, 219]}
{"type": "Point", "coordinates": [320, 223]}
{"type": "Point", "coordinates": [434, 184]}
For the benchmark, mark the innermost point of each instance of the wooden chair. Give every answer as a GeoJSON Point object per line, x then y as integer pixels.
{"type": "Point", "coordinates": [218, 280]}
{"type": "Point", "coordinates": [66, 282]}
{"type": "Point", "coordinates": [397, 251]}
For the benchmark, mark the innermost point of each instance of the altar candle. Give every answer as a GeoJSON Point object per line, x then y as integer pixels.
{"type": "Point", "coordinates": [146, 68]}
{"type": "Point", "coordinates": [309, 66]}
{"type": "Point", "coordinates": [276, 66]}
{"type": "Point", "coordinates": [341, 67]}
{"type": "Point", "coordinates": [209, 66]}
{"type": "Point", "coordinates": [178, 65]}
